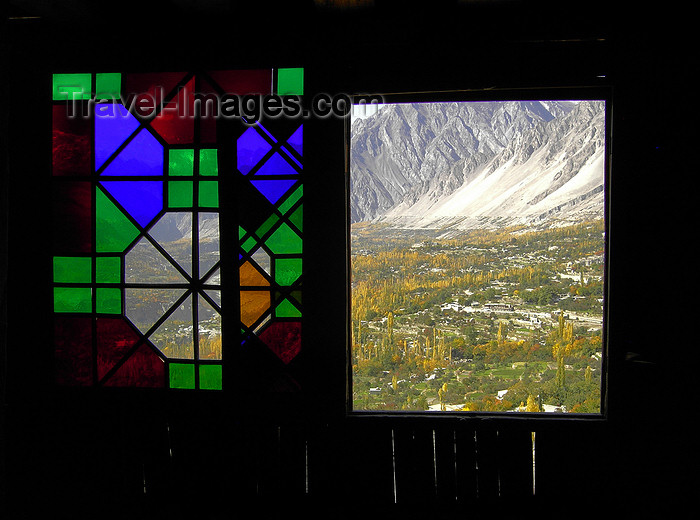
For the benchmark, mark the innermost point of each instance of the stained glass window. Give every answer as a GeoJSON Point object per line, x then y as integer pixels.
{"type": "Point", "coordinates": [137, 262]}
{"type": "Point", "coordinates": [271, 246]}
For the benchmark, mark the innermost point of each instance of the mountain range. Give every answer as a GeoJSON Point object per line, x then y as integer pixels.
{"type": "Point", "coordinates": [465, 165]}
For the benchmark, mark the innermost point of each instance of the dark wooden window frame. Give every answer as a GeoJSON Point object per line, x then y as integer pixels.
{"type": "Point", "coordinates": [562, 92]}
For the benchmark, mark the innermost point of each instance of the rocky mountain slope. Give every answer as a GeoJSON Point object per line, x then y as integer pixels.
{"type": "Point", "coordinates": [479, 164]}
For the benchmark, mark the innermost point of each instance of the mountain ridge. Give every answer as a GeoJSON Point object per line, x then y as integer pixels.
{"type": "Point", "coordinates": [479, 164]}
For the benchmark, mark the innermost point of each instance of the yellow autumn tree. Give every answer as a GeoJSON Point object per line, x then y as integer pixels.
{"type": "Point", "coordinates": [501, 333]}
{"type": "Point", "coordinates": [442, 394]}
{"type": "Point", "coordinates": [390, 327]}
{"type": "Point", "coordinates": [531, 405]}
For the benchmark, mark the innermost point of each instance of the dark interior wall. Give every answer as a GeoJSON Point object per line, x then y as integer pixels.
{"type": "Point", "coordinates": [83, 453]}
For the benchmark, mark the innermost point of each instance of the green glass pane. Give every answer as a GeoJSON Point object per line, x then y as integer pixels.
{"type": "Point", "coordinates": [287, 270]}
{"type": "Point", "coordinates": [249, 244]}
{"type": "Point", "coordinates": [114, 230]}
{"type": "Point", "coordinates": [181, 375]}
{"type": "Point", "coordinates": [180, 194]}
{"type": "Point", "coordinates": [290, 82]}
{"type": "Point", "coordinates": [210, 377]}
{"type": "Point", "coordinates": [108, 85]}
{"type": "Point", "coordinates": [284, 241]}
{"type": "Point", "coordinates": [67, 87]}
{"type": "Point", "coordinates": [181, 162]}
{"type": "Point", "coordinates": [267, 225]}
{"type": "Point", "coordinates": [291, 200]}
{"type": "Point", "coordinates": [286, 309]}
{"type": "Point", "coordinates": [209, 194]}
{"type": "Point", "coordinates": [72, 299]}
{"type": "Point", "coordinates": [208, 164]}
{"type": "Point", "coordinates": [297, 218]}
{"type": "Point", "coordinates": [109, 300]}
{"type": "Point", "coordinates": [72, 269]}
{"type": "Point", "coordinates": [108, 269]}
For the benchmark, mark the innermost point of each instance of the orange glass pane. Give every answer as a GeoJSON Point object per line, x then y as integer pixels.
{"type": "Point", "coordinates": [251, 277]}
{"type": "Point", "coordinates": [253, 305]}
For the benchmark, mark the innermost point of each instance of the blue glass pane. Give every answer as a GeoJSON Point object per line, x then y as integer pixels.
{"type": "Point", "coordinates": [273, 189]}
{"type": "Point", "coordinates": [296, 140]}
{"type": "Point", "coordinates": [113, 124]}
{"type": "Point", "coordinates": [142, 156]}
{"type": "Point", "coordinates": [143, 200]}
{"type": "Point", "coordinates": [251, 148]}
{"type": "Point", "coordinates": [276, 165]}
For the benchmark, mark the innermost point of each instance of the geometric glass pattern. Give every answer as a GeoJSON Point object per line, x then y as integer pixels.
{"type": "Point", "coordinates": [270, 161]}
{"type": "Point", "coordinates": [137, 293]}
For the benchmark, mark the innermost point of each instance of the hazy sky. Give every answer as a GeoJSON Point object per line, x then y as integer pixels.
{"type": "Point", "coordinates": [363, 111]}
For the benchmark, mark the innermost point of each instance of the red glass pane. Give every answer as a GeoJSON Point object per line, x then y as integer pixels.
{"type": "Point", "coordinates": [143, 90]}
{"type": "Point", "coordinates": [284, 339]}
{"type": "Point", "coordinates": [207, 130]}
{"type": "Point", "coordinates": [209, 101]}
{"type": "Point", "coordinates": [72, 217]}
{"type": "Point", "coordinates": [143, 369]}
{"type": "Point", "coordinates": [115, 338]}
{"type": "Point", "coordinates": [73, 350]}
{"type": "Point", "coordinates": [71, 143]}
{"type": "Point", "coordinates": [175, 123]}
{"type": "Point", "coordinates": [241, 82]}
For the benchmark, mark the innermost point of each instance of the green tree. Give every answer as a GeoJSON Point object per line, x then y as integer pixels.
{"type": "Point", "coordinates": [561, 370]}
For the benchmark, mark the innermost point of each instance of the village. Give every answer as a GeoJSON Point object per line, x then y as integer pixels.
{"type": "Point", "coordinates": [479, 341]}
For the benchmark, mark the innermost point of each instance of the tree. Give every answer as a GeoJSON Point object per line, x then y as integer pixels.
{"type": "Point", "coordinates": [501, 333]}
{"type": "Point", "coordinates": [532, 405]}
{"type": "Point", "coordinates": [561, 370]}
{"type": "Point", "coordinates": [390, 327]}
{"type": "Point", "coordinates": [442, 394]}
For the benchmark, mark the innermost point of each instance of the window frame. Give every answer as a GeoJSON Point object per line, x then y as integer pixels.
{"type": "Point", "coordinates": [549, 92]}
